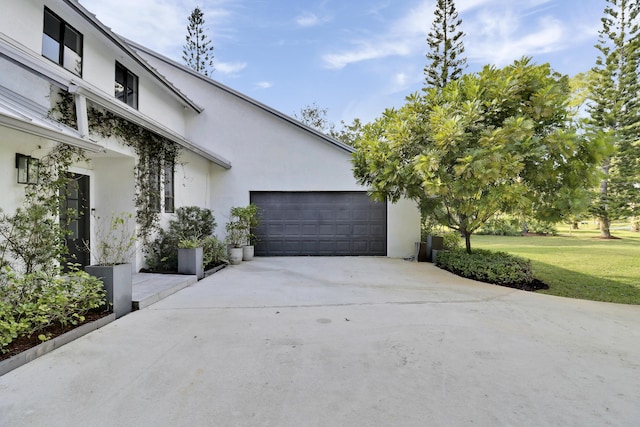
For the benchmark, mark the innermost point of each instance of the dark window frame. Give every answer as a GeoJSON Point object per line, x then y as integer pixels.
{"type": "Point", "coordinates": [169, 187]}
{"type": "Point", "coordinates": [128, 82]}
{"type": "Point", "coordinates": [64, 37]}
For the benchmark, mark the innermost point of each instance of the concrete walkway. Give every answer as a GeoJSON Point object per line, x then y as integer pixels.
{"type": "Point", "coordinates": [341, 342]}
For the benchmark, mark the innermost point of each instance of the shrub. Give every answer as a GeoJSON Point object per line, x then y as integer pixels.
{"type": "Point", "coordinates": [501, 227]}
{"type": "Point", "coordinates": [541, 227]}
{"type": "Point", "coordinates": [31, 302]}
{"type": "Point", "coordinates": [192, 223]}
{"type": "Point", "coordinates": [214, 252]}
{"type": "Point", "coordinates": [451, 240]}
{"type": "Point", "coordinates": [498, 268]}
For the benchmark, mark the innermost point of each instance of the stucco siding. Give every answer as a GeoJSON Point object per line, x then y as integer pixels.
{"type": "Point", "coordinates": [269, 153]}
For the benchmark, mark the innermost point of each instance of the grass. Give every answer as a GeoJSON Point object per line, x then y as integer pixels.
{"type": "Point", "coordinates": [579, 265]}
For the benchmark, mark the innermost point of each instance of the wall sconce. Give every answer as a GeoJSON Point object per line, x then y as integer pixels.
{"type": "Point", "coordinates": [27, 169]}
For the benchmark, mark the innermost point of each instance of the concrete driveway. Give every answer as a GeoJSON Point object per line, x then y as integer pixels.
{"type": "Point", "coordinates": [341, 342]}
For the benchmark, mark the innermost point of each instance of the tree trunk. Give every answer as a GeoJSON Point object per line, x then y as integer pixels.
{"type": "Point", "coordinates": [467, 241]}
{"type": "Point", "coordinates": [603, 218]}
{"type": "Point", "coordinates": [604, 227]}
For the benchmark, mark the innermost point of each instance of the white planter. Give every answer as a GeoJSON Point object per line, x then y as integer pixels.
{"type": "Point", "coordinates": [117, 282]}
{"type": "Point", "coordinates": [190, 261]}
{"type": "Point", "coordinates": [235, 256]}
{"type": "Point", "coordinates": [247, 252]}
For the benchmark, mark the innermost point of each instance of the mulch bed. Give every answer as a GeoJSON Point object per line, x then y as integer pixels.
{"type": "Point", "coordinates": [25, 343]}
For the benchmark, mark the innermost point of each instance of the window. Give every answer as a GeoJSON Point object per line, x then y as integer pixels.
{"type": "Point", "coordinates": [168, 187]}
{"type": "Point", "coordinates": [126, 86]}
{"type": "Point", "coordinates": [161, 188]}
{"type": "Point", "coordinates": [61, 43]}
{"type": "Point", "coordinates": [155, 179]}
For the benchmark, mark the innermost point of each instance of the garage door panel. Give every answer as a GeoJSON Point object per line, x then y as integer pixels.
{"type": "Point", "coordinates": [319, 223]}
{"type": "Point", "coordinates": [274, 229]}
{"type": "Point", "coordinates": [309, 215]}
{"type": "Point", "coordinates": [360, 230]}
{"type": "Point", "coordinates": [292, 229]}
{"type": "Point", "coordinates": [343, 230]}
{"type": "Point", "coordinates": [292, 214]}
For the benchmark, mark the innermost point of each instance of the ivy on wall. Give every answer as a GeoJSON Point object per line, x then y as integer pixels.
{"type": "Point", "coordinates": [154, 154]}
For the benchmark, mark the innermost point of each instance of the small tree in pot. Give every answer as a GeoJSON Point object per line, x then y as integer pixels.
{"type": "Point", "coordinates": [235, 239]}
{"type": "Point", "coordinates": [115, 247]}
{"type": "Point", "coordinates": [241, 220]}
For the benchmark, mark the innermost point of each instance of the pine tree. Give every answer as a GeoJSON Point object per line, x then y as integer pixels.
{"type": "Point", "coordinates": [197, 53]}
{"type": "Point", "coordinates": [445, 62]}
{"type": "Point", "coordinates": [614, 112]}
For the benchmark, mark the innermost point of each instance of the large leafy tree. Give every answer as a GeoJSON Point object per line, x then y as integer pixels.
{"type": "Point", "coordinates": [614, 112]}
{"type": "Point", "coordinates": [499, 141]}
{"type": "Point", "coordinates": [197, 52]}
{"type": "Point", "coordinates": [445, 60]}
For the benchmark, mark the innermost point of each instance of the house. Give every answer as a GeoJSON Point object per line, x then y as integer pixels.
{"type": "Point", "coordinates": [232, 150]}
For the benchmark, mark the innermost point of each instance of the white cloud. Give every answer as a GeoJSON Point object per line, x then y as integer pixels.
{"type": "Point", "coordinates": [307, 19]}
{"type": "Point", "coordinates": [229, 67]}
{"type": "Point", "coordinates": [363, 52]}
{"type": "Point", "coordinates": [501, 37]}
{"type": "Point", "coordinates": [264, 85]}
{"type": "Point", "coordinates": [164, 29]}
{"type": "Point", "coordinates": [400, 79]}
{"type": "Point", "coordinates": [496, 32]}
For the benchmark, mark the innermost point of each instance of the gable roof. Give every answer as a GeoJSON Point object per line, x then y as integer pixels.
{"type": "Point", "coordinates": [121, 44]}
{"type": "Point", "coordinates": [258, 104]}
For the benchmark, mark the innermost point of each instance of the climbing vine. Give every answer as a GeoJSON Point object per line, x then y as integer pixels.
{"type": "Point", "coordinates": [154, 152]}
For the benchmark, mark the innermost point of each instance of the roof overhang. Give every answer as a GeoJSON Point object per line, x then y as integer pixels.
{"type": "Point", "coordinates": [326, 138]}
{"type": "Point", "coordinates": [21, 56]}
{"type": "Point", "coordinates": [61, 78]}
{"type": "Point", "coordinates": [134, 116]}
{"type": "Point", "coordinates": [24, 121]}
{"type": "Point", "coordinates": [120, 44]}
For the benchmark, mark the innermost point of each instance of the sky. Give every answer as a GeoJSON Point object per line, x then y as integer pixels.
{"type": "Point", "coordinates": [354, 58]}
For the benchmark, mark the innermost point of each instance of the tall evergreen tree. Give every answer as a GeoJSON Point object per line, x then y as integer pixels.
{"type": "Point", "coordinates": [614, 111]}
{"type": "Point", "coordinates": [445, 61]}
{"type": "Point", "coordinates": [197, 52]}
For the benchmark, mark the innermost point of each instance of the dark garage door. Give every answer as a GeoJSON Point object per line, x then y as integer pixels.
{"type": "Point", "coordinates": [320, 223]}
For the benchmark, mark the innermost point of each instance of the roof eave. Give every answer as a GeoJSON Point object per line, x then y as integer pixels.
{"type": "Point", "coordinates": [114, 38]}
{"type": "Point", "coordinates": [134, 116]}
{"type": "Point", "coordinates": [244, 97]}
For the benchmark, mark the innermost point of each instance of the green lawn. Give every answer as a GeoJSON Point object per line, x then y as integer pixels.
{"type": "Point", "coordinates": [579, 265]}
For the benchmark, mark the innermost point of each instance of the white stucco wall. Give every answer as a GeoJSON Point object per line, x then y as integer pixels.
{"type": "Point", "coordinates": [268, 153]}
{"type": "Point", "coordinates": [22, 21]}
{"type": "Point", "coordinates": [12, 142]}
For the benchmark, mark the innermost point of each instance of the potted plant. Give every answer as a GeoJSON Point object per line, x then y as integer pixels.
{"type": "Point", "coordinates": [235, 238]}
{"type": "Point", "coordinates": [248, 218]}
{"type": "Point", "coordinates": [114, 248]}
{"type": "Point", "coordinates": [191, 257]}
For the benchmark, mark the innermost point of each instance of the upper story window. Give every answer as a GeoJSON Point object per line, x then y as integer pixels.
{"type": "Point", "coordinates": [126, 86]}
{"type": "Point", "coordinates": [61, 43]}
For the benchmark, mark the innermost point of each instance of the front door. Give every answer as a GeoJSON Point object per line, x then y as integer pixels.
{"type": "Point", "coordinates": [75, 218]}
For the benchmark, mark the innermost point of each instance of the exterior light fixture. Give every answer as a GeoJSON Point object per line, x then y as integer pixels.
{"type": "Point", "coordinates": [27, 169]}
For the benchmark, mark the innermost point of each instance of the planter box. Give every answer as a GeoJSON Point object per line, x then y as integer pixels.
{"type": "Point", "coordinates": [33, 353]}
{"type": "Point", "coordinates": [117, 283]}
{"type": "Point", "coordinates": [247, 252]}
{"type": "Point", "coordinates": [424, 250]}
{"type": "Point", "coordinates": [190, 262]}
{"type": "Point", "coordinates": [235, 256]}
{"type": "Point", "coordinates": [435, 253]}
